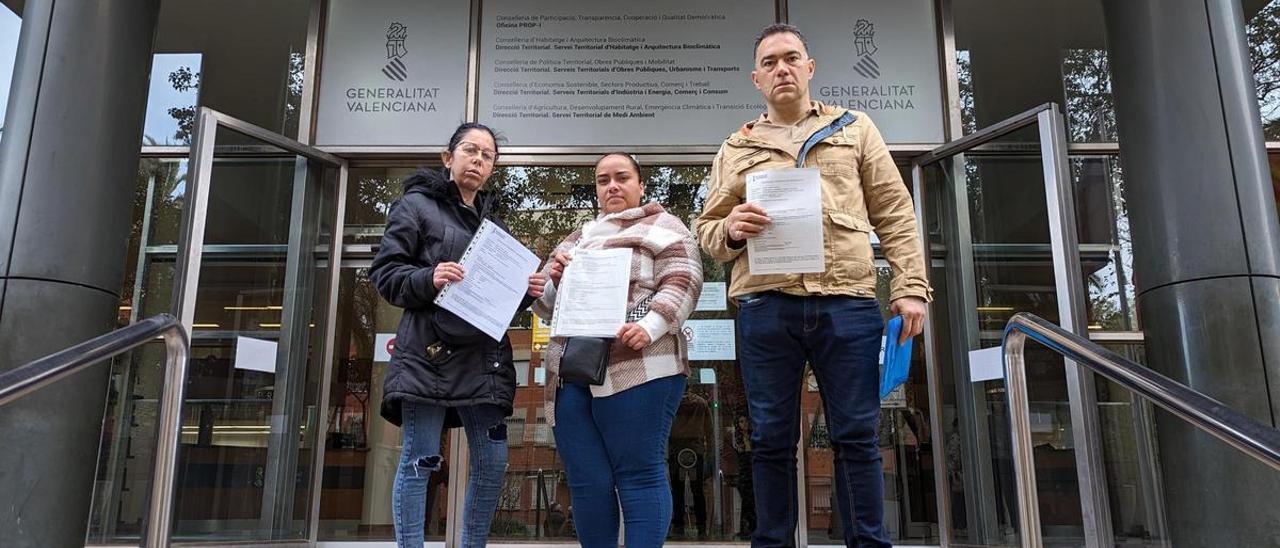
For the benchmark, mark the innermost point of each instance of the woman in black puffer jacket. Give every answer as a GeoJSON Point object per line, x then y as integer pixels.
{"type": "Point", "coordinates": [444, 372]}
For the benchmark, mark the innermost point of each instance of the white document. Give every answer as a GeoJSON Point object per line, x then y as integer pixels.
{"type": "Point", "coordinates": [496, 279]}
{"type": "Point", "coordinates": [255, 355]}
{"type": "Point", "coordinates": [792, 244]}
{"type": "Point", "coordinates": [986, 364]}
{"type": "Point", "coordinates": [712, 298]}
{"type": "Point", "coordinates": [591, 300]}
{"type": "Point", "coordinates": [710, 340]}
{"type": "Point", "coordinates": [383, 345]}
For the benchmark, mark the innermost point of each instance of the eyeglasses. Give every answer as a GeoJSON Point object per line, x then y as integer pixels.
{"type": "Point", "coordinates": [471, 149]}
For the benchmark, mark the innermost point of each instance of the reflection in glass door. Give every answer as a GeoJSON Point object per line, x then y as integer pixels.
{"type": "Point", "coordinates": [125, 456]}
{"type": "Point", "coordinates": [906, 445]}
{"type": "Point", "coordinates": [1000, 211]}
{"type": "Point", "coordinates": [361, 448]}
{"type": "Point", "coordinates": [253, 285]}
{"type": "Point", "coordinates": [708, 457]}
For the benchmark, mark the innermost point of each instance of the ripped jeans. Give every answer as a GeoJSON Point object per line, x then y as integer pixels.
{"type": "Point", "coordinates": [420, 457]}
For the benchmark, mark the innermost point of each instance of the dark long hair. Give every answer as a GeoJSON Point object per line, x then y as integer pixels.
{"type": "Point", "coordinates": [464, 128]}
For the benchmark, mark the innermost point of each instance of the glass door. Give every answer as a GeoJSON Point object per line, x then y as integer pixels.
{"type": "Point", "coordinates": [254, 272]}
{"type": "Point", "coordinates": [1000, 213]}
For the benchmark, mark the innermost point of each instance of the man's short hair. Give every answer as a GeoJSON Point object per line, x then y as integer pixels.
{"type": "Point", "coordinates": [778, 28]}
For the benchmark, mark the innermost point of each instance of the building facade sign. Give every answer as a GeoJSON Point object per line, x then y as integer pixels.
{"type": "Point", "coordinates": [880, 57]}
{"type": "Point", "coordinates": [579, 73]}
{"type": "Point", "coordinates": [666, 72]}
{"type": "Point", "coordinates": [394, 73]}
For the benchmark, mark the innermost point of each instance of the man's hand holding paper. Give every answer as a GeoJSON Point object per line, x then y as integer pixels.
{"type": "Point", "coordinates": [791, 240]}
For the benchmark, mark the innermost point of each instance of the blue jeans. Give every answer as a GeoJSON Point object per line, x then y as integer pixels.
{"type": "Point", "coordinates": [615, 450]}
{"type": "Point", "coordinates": [840, 338]}
{"type": "Point", "coordinates": [420, 457]}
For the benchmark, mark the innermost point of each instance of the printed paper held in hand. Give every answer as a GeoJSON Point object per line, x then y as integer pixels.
{"type": "Point", "coordinates": [496, 279]}
{"type": "Point", "coordinates": [792, 244]}
{"type": "Point", "coordinates": [591, 300]}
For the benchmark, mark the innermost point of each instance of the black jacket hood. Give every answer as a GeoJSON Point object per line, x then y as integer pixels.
{"type": "Point", "coordinates": [439, 358]}
{"type": "Point", "coordinates": [435, 183]}
{"type": "Point", "coordinates": [432, 182]}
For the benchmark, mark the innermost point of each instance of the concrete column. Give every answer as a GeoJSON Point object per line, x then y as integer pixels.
{"type": "Point", "coordinates": [68, 168]}
{"type": "Point", "coordinates": [1206, 248]}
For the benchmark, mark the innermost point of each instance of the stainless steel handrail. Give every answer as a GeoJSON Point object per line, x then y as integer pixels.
{"type": "Point", "coordinates": [1251, 437]}
{"type": "Point", "coordinates": [33, 376]}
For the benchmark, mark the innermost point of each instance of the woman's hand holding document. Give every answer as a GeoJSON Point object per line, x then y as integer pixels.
{"type": "Point", "coordinates": [497, 270]}
{"type": "Point", "coordinates": [591, 299]}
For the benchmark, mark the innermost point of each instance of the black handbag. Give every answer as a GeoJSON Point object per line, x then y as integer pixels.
{"type": "Point", "coordinates": [585, 360]}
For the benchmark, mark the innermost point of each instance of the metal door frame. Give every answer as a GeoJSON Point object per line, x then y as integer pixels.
{"type": "Point", "coordinates": [1069, 284]}
{"type": "Point", "coordinates": [191, 251]}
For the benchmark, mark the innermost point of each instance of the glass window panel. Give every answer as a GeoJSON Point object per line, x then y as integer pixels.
{"type": "Point", "coordinates": [172, 98]}
{"type": "Point", "coordinates": [245, 206]}
{"type": "Point", "coordinates": [249, 191]}
{"type": "Point", "coordinates": [361, 448]}
{"type": "Point", "coordinates": [126, 454]}
{"type": "Point", "coordinates": [161, 180]}
{"type": "Point", "coordinates": [1051, 63]}
{"type": "Point", "coordinates": [249, 415]}
{"type": "Point", "coordinates": [954, 430]}
{"type": "Point", "coordinates": [1086, 79]}
{"type": "Point", "coordinates": [1274, 158]}
{"type": "Point", "coordinates": [1262, 31]}
{"type": "Point", "coordinates": [370, 193]}
{"type": "Point", "coordinates": [229, 457]}
{"type": "Point", "coordinates": [1106, 247]}
{"type": "Point", "coordinates": [522, 373]}
{"type": "Point", "coordinates": [999, 259]}
{"type": "Point", "coordinates": [542, 205]}
{"type": "Point", "coordinates": [906, 448]}
{"type": "Point", "coordinates": [125, 457]}
{"type": "Point", "coordinates": [1010, 235]}
{"type": "Point", "coordinates": [515, 423]}
{"type": "Point", "coordinates": [10, 26]}
{"type": "Point", "coordinates": [906, 452]}
{"type": "Point", "coordinates": [1130, 457]}
{"type": "Point", "coordinates": [165, 179]}
{"type": "Point", "coordinates": [200, 50]}
{"type": "Point", "coordinates": [708, 459]}
{"type": "Point", "coordinates": [964, 79]}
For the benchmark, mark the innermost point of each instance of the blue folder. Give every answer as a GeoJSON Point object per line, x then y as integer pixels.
{"type": "Point", "coordinates": [897, 358]}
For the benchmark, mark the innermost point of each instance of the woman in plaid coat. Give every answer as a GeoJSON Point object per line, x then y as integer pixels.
{"type": "Point", "coordinates": [612, 437]}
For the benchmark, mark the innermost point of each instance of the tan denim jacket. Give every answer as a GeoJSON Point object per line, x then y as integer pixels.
{"type": "Point", "coordinates": [861, 191]}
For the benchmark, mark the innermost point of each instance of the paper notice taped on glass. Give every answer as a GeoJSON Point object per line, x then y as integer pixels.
{"type": "Point", "coordinates": [710, 340]}
{"type": "Point", "coordinates": [496, 279]}
{"type": "Point", "coordinates": [255, 355]}
{"type": "Point", "coordinates": [792, 243]}
{"type": "Point", "coordinates": [713, 297]}
{"type": "Point", "coordinates": [986, 364]}
{"type": "Point", "coordinates": [383, 345]}
{"type": "Point", "coordinates": [591, 300]}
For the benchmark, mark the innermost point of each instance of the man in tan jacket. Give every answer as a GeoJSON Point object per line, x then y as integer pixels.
{"type": "Point", "coordinates": [829, 319]}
